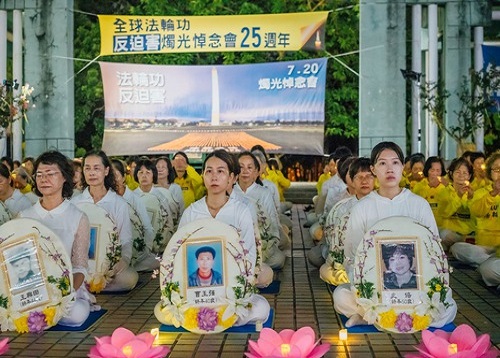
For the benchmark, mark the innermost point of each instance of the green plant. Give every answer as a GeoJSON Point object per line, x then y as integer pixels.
{"type": "Point", "coordinates": [476, 104]}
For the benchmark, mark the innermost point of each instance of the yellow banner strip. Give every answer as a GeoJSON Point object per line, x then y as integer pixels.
{"type": "Point", "coordinates": [221, 33]}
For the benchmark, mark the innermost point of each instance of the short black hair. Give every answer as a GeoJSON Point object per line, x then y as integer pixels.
{"type": "Point", "coordinates": [476, 155]}
{"type": "Point", "coordinates": [344, 164]}
{"type": "Point", "coordinates": [417, 158]}
{"type": "Point", "coordinates": [389, 250]}
{"type": "Point", "coordinates": [4, 171]}
{"type": "Point", "coordinates": [53, 157]}
{"type": "Point", "coordinates": [205, 249]}
{"type": "Point", "coordinates": [457, 163]}
{"type": "Point", "coordinates": [149, 165]}
{"type": "Point", "coordinates": [9, 161]}
{"type": "Point", "coordinates": [359, 165]}
{"type": "Point", "coordinates": [428, 165]}
{"type": "Point", "coordinates": [340, 152]}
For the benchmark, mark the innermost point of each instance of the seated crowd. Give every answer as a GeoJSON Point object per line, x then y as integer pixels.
{"type": "Point", "coordinates": [458, 203]}
{"type": "Point", "coordinates": [52, 188]}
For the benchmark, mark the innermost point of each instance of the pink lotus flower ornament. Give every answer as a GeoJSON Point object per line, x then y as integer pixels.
{"type": "Point", "coordinates": [124, 344]}
{"type": "Point", "coordinates": [461, 343]}
{"type": "Point", "coordinates": [287, 343]}
{"type": "Point", "coordinates": [4, 346]}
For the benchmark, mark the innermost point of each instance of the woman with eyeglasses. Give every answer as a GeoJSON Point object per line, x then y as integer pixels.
{"type": "Point", "coordinates": [432, 184]}
{"type": "Point", "coordinates": [453, 204]}
{"type": "Point", "coordinates": [12, 198]}
{"type": "Point", "coordinates": [484, 206]}
{"type": "Point", "coordinates": [54, 186]}
{"type": "Point", "coordinates": [100, 189]}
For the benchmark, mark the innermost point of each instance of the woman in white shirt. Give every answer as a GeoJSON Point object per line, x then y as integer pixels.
{"type": "Point", "coordinates": [54, 184]}
{"type": "Point", "coordinates": [145, 260]}
{"type": "Point", "coordinates": [389, 200]}
{"type": "Point", "coordinates": [250, 186]}
{"type": "Point", "coordinates": [166, 177]}
{"type": "Point", "coordinates": [218, 174]}
{"type": "Point", "coordinates": [146, 175]}
{"type": "Point", "coordinates": [100, 189]}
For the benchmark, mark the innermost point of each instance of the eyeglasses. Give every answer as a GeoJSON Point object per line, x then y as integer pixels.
{"type": "Point", "coordinates": [48, 175]}
{"type": "Point", "coordinates": [363, 177]}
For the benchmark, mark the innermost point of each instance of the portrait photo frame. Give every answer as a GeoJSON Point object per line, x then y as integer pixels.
{"type": "Point", "coordinates": [399, 270]}
{"type": "Point", "coordinates": [25, 274]}
{"type": "Point", "coordinates": [197, 292]}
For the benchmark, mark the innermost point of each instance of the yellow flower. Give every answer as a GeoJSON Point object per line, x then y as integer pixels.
{"type": "Point", "coordinates": [22, 324]}
{"type": "Point", "coordinates": [388, 319]}
{"type": "Point", "coordinates": [97, 284]}
{"type": "Point", "coordinates": [420, 322]}
{"type": "Point", "coordinates": [49, 313]}
{"type": "Point", "coordinates": [228, 322]}
{"type": "Point", "coordinates": [191, 318]}
{"type": "Point", "coordinates": [438, 287]}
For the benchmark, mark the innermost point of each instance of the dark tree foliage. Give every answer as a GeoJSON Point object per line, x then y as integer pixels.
{"type": "Point", "coordinates": [341, 107]}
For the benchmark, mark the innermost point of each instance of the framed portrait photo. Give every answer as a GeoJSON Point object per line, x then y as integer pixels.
{"type": "Point", "coordinates": [399, 270]}
{"type": "Point", "coordinates": [205, 266]}
{"type": "Point", "coordinates": [26, 279]}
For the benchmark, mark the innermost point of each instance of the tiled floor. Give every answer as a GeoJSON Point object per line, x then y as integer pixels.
{"type": "Point", "coordinates": [304, 300]}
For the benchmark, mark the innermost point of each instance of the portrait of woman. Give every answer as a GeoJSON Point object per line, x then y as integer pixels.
{"type": "Point", "coordinates": [399, 272]}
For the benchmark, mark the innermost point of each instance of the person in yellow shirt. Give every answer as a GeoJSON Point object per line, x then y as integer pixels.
{"type": "Point", "coordinates": [129, 177]}
{"type": "Point", "coordinates": [417, 163]}
{"type": "Point", "coordinates": [485, 207]}
{"type": "Point", "coordinates": [431, 185]}
{"type": "Point", "coordinates": [477, 160]}
{"type": "Point", "coordinates": [22, 180]}
{"type": "Point", "coordinates": [324, 177]}
{"type": "Point", "coordinates": [453, 204]}
{"type": "Point", "coordinates": [276, 176]}
{"type": "Point", "coordinates": [405, 183]}
{"type": "Point", "coordinates": [188, 179]}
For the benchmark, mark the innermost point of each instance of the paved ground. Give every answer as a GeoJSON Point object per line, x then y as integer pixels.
{"type": "Point", "coordinates": [304, 300]}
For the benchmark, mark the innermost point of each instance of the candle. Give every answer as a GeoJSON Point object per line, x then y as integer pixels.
{"type": "Point", "coordinates": [439, 179]}
{"type": "Point", "coordinates": [285, 350]}
{"type": "Point", "coordinates": [466, 183]}
{"type": "Point", "coordinates": [343, 334]}
{"type": "Point", "coordinates": [483, 166]}
{"type": "Point", "coordinates": [452, 349]}
{"type": "Point", "coordinates": [128, 351]}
